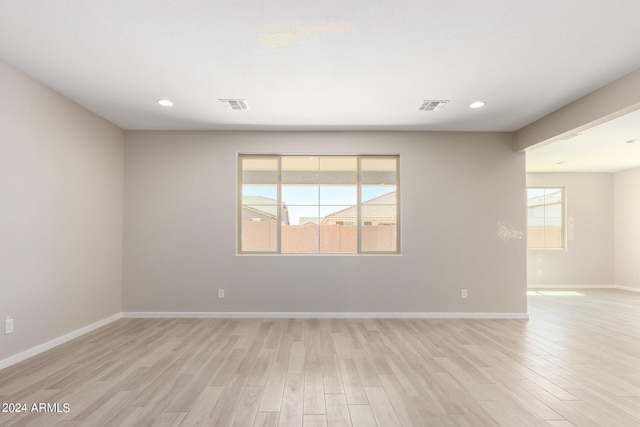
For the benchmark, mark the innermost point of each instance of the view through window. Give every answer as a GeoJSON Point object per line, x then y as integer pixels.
{"type": "Point", "coordinates": [297, 204]}
{"type": "Point", "coordinates": [545, 212]}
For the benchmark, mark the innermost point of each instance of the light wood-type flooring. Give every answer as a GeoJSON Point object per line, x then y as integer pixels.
{"type": "Point", "coordinates": [575, 362]}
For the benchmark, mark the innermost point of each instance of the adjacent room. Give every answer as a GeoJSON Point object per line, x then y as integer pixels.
{"type": "Point", "coordinates": [591, 177]}
{"type": "Point", "coordinates": [298, 213]}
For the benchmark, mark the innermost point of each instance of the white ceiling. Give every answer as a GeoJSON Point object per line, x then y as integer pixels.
{"type": "Point", "coordinates": [322, 65]}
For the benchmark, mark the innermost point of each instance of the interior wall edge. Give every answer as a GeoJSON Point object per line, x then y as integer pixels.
{"type": "Point", "coordinates": [611, 101]}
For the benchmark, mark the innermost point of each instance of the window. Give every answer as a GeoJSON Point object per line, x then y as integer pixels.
{"type": "Point", "coordinates": [545, 217]}
{"type": "Point", "coordinates": [318, 204]}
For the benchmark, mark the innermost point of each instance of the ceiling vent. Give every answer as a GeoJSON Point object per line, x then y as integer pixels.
{"type": "Point", "coordinates": [235, 104]}
{"type": "Point", "coordinates": [432, 105]}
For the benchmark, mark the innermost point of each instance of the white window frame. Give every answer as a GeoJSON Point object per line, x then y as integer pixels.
{"type": "Point", "coordinates": [359, 224]}
{"type": "Point", "coordinates": [563, 218]}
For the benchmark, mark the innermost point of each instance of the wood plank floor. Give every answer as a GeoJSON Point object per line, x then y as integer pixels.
{"type": "Point", "coordinates": [575, 362]}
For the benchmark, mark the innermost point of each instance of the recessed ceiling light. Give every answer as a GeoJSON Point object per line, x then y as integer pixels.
{"type": "Point", "coordinates": [477, 104]}
{"type": "Point", "coordinates": [165, 103]}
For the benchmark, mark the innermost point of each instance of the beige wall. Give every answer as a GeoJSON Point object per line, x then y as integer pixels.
{"type": "Point", "coordinates": [588, 256]}
{"type": "Point", "coordinates": [61, 184]}
{"type": "Point", "coordinates": [627, 228]}
{"type": "Point", "coordinates": [457, 190]}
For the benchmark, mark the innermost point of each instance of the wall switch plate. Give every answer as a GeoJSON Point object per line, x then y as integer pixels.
{"type": "Point", "coordinates": [220, 293]}
{"type": "Point", "coordinates": [8, 326]}
{"type": "Point", "coordinates": [463, 293]}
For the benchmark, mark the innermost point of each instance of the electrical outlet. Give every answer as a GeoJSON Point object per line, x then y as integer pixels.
{"type": "Point", "coordinates": [8, 325]}
{"type": "Point", "coordinates": [463, 293]}
{"type": "Point", "coordinates": [220, 293]}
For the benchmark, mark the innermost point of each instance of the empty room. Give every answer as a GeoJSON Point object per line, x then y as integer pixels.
{"type": "Point", "coordinates": [297, 213]}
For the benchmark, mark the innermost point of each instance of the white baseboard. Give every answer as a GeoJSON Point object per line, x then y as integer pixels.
{"type": "Point", "coordinates": [12, 360]}
{"type": "Point", "coordinates": [321, 315]}
{"type": "Point", "coordinates": [570, 286]}
{"type": "Point", "coordinates": [622, 288]}
{"type": "Point", "coordinates": [627, 288]}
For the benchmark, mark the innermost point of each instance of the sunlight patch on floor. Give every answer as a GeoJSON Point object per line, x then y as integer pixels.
{"type": "Point", "coordinates": [554, 293]}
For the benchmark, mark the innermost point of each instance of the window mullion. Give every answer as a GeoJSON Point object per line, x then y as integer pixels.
{"type": "Point", "coordinates": [318, 202]}
{"type": "Point", "coordinates": [398, 222]}
{"type": "Point", "coordinates": [280, 206]}
{"type": "Point", "coordinates": [239, 205]}
{"type": "Point", "coordinates": [358, 210]}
